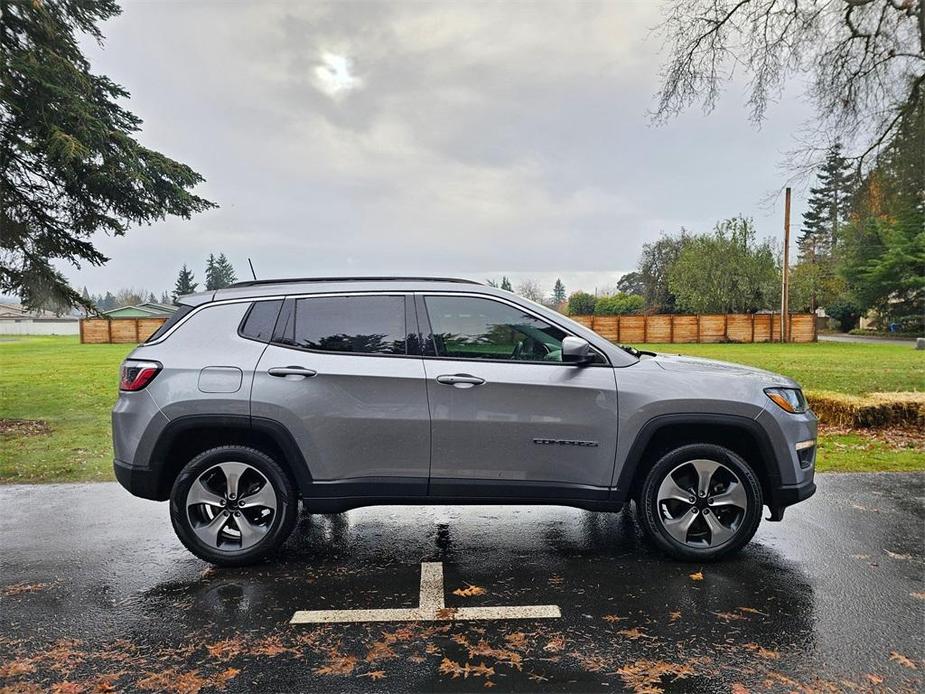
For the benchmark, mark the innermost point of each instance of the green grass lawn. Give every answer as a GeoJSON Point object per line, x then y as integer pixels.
{"type": "Point", "coordinates": [854, 368]}
{"type": "Point", "coordinates": [72, 388]}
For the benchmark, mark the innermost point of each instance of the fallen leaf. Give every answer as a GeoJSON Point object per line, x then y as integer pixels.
{"type": "Point", "coordinates": [761, 651]}
{"type": "Point", "coordinates": [612, 618]}
{"type": "Point", "coordinates": [21, 666]}
{"type": "Point", "coordinates": [555, 645]}
{"type": "Point", "coordinates": [739, 688]}
{"type": "Point", "coordinates": [896, 555]}
{"type": "Point", "coordinates": [224, 650]}
{"type": "Point", "coordinates": [337, 665]}
{"type": "Point", "coordinates": [516, 640]}
{"type": "Point", "coordinates": [697, 576]}
{"type": "Point", "coordinates": [634, 634]}
{"type": "Point", "coordinates": [874, 679]}
{"type": "Point", "coordinates": [751, 610]}
{"type": "Point", "coordinates": [897, 657]}
{"type": "Point", "coordinates": [675, 616]}
{"type": "Point", "coordinates": [729, 616]}
{"type": "Point", "coordinates": [470, 591]}
{"type": "Point", "coordinates": [379, 650]}
{"type": "Point", "coordinates": [920, 596]}
{"type": "Point", "coordinates": [222, 678]}
{"type": "Point", "coordinates": [374, 675]}
{"type": "Point", "coordinates": [67, 687]}
{"type": "Point", "coordinates": [446, 613]}
{"type": "Point", "coordinates": [20, 588]}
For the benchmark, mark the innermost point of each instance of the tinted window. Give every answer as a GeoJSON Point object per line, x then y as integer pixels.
{"type": "Point", "coordinates": [484, 329]}
{"type": "Point", "coordinates": [259, 322]}
{"type": "Point", "coordinates": [355, 324]}
{"type": "Point", "coordinates": [175, 317]}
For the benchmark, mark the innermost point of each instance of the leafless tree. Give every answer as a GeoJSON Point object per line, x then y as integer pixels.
{"type": "Point", "coordinates": [863, 62]}
{"type": "Point", "coordinates": [530, 289]}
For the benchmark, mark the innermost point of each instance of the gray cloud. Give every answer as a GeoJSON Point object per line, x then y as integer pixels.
{"type": "Point", "coordinates": [464, 138]}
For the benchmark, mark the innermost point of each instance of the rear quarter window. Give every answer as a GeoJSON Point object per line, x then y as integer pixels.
{"type": "Point", "coordinates": [260, 319]}
{"type": "Point", "coordinates": [175, 318]}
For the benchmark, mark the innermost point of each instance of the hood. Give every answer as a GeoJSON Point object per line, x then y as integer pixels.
{"type": "Point", "coordinates": [676, 362]}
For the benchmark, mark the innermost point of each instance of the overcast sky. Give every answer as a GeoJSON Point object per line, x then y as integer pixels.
{"type": "Point", "coordinates": [448, 138]}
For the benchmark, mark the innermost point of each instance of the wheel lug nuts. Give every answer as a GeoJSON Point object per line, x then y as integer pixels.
{"type": "Point", "coordinates": [702, 493]}
{"type": "Point", "coordinates": [222, 502]}
{"type": "Point", "coordinates": [693, 499]}
{"type": "Point", "coordinates": [237, 513]}
{"type": "Point", "coordinates": [710, 500]}
{"type": "Point", "coordinates": [706, 511]}
{"type": "Point", "coordinates": [225, 512]}
{"type": "Point", "coordinates": [694, 510]}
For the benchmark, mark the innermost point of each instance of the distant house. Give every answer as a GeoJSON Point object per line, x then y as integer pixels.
{"type": "Point", "coordinates": [16, 320]}
{"type": "Point", "coordinates": [149, 309]}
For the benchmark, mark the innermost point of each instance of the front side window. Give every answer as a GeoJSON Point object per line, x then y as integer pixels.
{"type": "Point", "coordinates": [351, 324]}
{"type": "Point", "coordinates": [474, 328]}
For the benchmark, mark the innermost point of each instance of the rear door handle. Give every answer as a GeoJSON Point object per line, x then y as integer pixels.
{"type": "Point", "coordinates": [282, 371]}
{"type": "Point", "coordinates": [460, 380]}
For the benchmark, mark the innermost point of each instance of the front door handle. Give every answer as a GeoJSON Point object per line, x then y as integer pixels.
{"type": "Point", "coordinates": [282, 371]}
{"type": "Point", "coordinates": [460, 380]}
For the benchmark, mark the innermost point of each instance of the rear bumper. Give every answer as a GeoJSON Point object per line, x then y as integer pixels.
{"type": "Point", "coordinates": [139, 481]}
{"type": "Point", "coordinates": [788, 495]}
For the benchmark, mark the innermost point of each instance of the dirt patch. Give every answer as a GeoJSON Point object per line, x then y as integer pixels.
{"type": "Point", "coordinates": [24, 427]}
{"type": "Point", "coordinates": [894, 437]}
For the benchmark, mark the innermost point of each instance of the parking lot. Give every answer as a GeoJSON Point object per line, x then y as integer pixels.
{"type": "Point", "coordinates": [98, 595]}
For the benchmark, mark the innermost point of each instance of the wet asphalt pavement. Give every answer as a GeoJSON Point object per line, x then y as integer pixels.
{"type": "Point", "coordinates": [98, 595]}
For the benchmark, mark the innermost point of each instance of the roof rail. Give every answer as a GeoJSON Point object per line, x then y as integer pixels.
{"type": "Point", "coordinates": [296, 280]}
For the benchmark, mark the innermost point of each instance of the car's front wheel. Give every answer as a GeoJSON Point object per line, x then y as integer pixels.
{"type": "Point", "coordinates": [232, 505]}
{"type": "Point", "coordinates": [700, 502]}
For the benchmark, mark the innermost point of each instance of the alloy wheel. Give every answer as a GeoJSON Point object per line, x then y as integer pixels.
{"type": "Point", "coordinates": [231, 506]}
{"type": "Point", "coordinates": [702, 503]}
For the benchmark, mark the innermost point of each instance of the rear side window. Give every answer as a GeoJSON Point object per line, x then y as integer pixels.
{"type": "Point", "coordinates": [260, 319]}
{"type": "Point", "coordinates": [175, 318]}
{"type": "Point", "coordinates": [350, 324]}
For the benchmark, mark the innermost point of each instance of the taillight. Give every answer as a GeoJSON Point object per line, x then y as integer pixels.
{"type": "Point", "coordinates": [137, 374]}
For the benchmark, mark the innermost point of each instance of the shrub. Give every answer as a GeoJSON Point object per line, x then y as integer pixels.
{"type": "Point", "coordinates": [619, 304]}
{"type": "Point", "coordinates": [845, 312]}
{"type": "Point", "coordinates": [581, 304]}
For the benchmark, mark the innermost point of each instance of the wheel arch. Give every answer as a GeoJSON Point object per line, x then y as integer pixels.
{"type": "Point", "coordinates": [661, 434]}
{"type": "Point", "coordinates": [186, 437]}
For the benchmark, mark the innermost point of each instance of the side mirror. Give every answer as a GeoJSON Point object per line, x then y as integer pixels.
{"type": "Point", "coordinates": [576, 351]}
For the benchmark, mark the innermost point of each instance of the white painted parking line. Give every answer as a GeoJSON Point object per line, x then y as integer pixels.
{"type": "Point", "coordinates": [431, 608]}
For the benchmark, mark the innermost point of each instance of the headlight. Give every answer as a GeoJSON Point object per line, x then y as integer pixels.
{"type": "Point", "coordinates": [789, 399]}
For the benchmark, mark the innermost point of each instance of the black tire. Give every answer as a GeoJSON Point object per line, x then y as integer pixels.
{"type": "Point", "coordinates": [277, 528]}
{"type": "Point", "coordinates": [652, 520]}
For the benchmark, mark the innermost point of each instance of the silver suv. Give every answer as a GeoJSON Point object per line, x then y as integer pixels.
{"type": "Point", "coordinates": [347, 392]}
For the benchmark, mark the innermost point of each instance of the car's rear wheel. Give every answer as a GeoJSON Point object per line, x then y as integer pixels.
{"type": "Point", "coordinates": [232, 505]}
{"type": "Point", "coordinates": [700, 502]}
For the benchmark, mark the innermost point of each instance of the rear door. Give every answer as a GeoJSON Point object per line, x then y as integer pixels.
{"type": "Point", "coordinates": [344, 375]}
{"type": "Point", "coordinates": [508, 417]}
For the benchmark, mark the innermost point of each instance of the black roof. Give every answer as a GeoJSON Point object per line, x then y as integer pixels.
{"type": "Point", "coordinates": [296, 280]}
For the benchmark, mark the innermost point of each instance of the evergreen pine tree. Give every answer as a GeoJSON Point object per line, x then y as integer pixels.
{"type": "Point", "coordinates": [506, 284]}
{"type": "Point", "coordinates": [558, 292]}
{"type": "Point", "coordinates": [185, 283]}
{"type": "Point", "coordinates": [828, 207]}
{"type": "Point", "coordinates": [166, 299]}
{"type": "Point", "coordinates": [71, 167]}
{"type": "Point", "coordinates": [107, 302]}
{"type": "Point", "coordinates": [226, 271]}
{"type": "Point", "coordinates": [213, 281]}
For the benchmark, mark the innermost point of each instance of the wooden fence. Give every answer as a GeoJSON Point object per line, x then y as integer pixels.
{"type": "Point", "coordinates": [118, 330]}
{"type": "Point", "coordinates": [731, 327]}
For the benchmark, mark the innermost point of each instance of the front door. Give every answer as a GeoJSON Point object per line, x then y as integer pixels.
{"type": "Point", "coordinates": [342, 374]}
{"type": "Point", "coordinates": [508, 417]}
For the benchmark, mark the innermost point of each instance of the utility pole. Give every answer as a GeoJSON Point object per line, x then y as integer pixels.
{"type": "Point", "coordinates": [785, 285]}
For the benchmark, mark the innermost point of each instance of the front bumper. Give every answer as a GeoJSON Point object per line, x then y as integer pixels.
{"type": "Point", "coordinates": [788, 495]}
{"type": "Point", "coordinates": [140, 481]}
